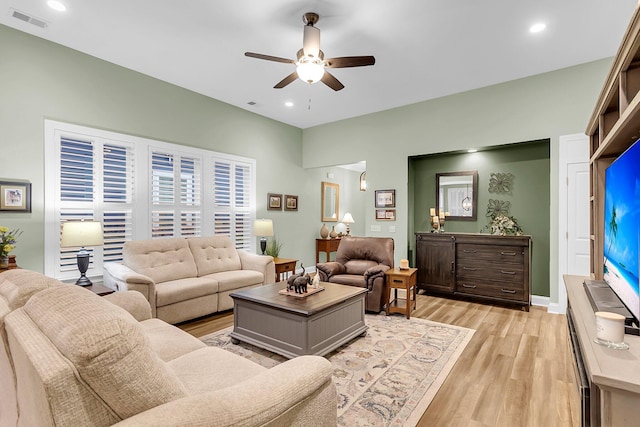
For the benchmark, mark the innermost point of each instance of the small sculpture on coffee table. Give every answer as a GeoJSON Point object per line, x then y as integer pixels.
{"type": "Point", "coordinates": [298, 282]}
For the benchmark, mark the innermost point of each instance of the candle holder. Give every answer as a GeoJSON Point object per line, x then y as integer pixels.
{"type": "Point", "coordinates": [435, 224]}
{"type": "Point", "coordinates": [441, 225]}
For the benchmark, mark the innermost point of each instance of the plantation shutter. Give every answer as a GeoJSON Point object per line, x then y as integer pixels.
{"type": "Point", "coordinates": [176, 192]}
{"type": "Point", "coordinates": [232, 201]}
{"type": "Point", "coordinates": [95, 183]}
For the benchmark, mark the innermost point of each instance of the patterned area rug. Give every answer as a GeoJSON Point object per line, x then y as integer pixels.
{"type": "Point", "coordinates": [388, 377]}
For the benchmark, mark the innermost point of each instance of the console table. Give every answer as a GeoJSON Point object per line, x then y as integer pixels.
{"type": "Point", "coordinates": [613, 377]}
{"type": "Point", "coordinates": [327, 246]}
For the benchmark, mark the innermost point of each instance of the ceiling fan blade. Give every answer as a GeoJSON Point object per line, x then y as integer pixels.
{"type": "Point", "coordinates": [290, 78]}
{"type": "Point", "coordinates": [311, 41]}
{"type": "Point", "coordinates": [269, 57]}
{"type": "Point", "coordinates": [349, 61]}
{"type": "Point", "coordinates": [331, 81]}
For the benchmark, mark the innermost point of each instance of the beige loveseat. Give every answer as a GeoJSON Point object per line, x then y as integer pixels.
{"type": "Point", "coordinates": [77, 359]}
{"type": "Point", "coordinates": [187, 278]}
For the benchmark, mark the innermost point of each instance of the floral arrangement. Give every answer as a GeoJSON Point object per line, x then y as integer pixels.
{"type": "Point", "coordinates": [8, 240]}
{"type": "Point", "coordinates": [503, 225]}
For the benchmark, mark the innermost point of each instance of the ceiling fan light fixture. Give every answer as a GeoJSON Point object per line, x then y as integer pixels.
{"type": "Point", "coordinates": [310, 71]}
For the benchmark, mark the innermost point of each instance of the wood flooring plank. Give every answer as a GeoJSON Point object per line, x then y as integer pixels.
{"type": "Point", "coordinates": [515, 371]}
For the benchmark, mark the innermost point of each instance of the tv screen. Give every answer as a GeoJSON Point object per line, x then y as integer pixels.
{"type": "Point", "coordinates": [622, 227]}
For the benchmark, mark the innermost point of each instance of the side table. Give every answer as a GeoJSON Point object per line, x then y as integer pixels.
{"type": "Point", "coordinates": [401, 279]}
{"type": "Point", "coordinates": [283, 267]}
{"type": "Point", "coordinates": [327, 246]}
{"type": "Point", "coordinates": [99, 289]}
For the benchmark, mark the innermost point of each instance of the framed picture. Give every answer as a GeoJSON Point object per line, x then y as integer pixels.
{"type": "Point", "coordinates": [290, 202]}
{"type": "Point", "coordinates": [385, 198]}
{"type": "Point", "coordinates": [15, 196]}
{"type": "Point", "coordinates": [274, 202]}
{"type": "Point", "coordinates": [385, 214]}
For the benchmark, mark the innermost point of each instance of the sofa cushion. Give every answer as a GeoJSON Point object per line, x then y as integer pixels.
{"type": "Point", "coordinates": [107, 347]}
{"type": "Point", "coordinates": [167, 341]}
{"type": "Point", "coordinates": [214, 254]}
{"type": "Point", "coordinates": [231, 280]}
{"type": "Point", "coordinates": [211, 368]}
{"type": "Point", "coordinates": [160, 259]}
{"type": "Point", "coordinates": [175, 291]}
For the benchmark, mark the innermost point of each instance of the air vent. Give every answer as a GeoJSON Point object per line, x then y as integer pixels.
{"type": "Point", "coordinates": [251, 103]}
{"type": "Point", "coordinates": [29, 19]}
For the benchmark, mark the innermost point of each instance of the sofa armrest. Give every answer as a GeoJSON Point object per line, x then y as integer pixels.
{"type": "Point", "coordinates": [260, 263]}
{"type": "Point", "coordinates": [328, 269]}
{"type": "Point", "coordinates": [119, 277]}
{"type": "Point", "coordinates": [134, 302]}
{"type": "Point", "coordinates": [299, 391]}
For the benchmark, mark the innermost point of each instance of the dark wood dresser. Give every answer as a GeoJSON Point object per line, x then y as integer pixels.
{"type": "Point", "coordinates": [484, 266]}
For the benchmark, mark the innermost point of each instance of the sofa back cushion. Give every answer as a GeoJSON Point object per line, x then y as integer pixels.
{"type": "Point", "coordinates": [214, 254]}
{"type": "Point", "coordinates": [18, 285]}
{"type": "Point", "coordinates": [107, 347]}
{"type": "Point", "coordinates": [160, 259]}
{"type": "Point", "coordinates": [358, 254]}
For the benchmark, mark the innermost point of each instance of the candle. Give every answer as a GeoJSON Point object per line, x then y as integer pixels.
{"type": "Point", "coordinates": [447, 214]}
{"type": "Point", "coordinates": [404, 263]}
{"type": "Point", "coordinates": [434, 219]}
{"type": "Point", "coordinates": [432, 212]}
{"type": "Point", "coordinates": [441, 213]}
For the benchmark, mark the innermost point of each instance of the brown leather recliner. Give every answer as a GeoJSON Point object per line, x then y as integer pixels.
{"type": "Point", "coordinates": [361, 261]}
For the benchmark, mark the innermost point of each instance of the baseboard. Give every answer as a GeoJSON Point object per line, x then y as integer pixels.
{"type": "Point", "coordinates": [540, 301]}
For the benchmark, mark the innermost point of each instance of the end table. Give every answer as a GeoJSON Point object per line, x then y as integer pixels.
{"type": "Point", "coordinates": [284, 266]}
{"type": "Point", "coordinates": [401, 279]}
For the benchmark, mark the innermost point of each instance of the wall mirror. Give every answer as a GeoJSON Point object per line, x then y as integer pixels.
{"type": "Point", "coordinates": [330, 201]}
{"type": "Point", "coordinates": [457, 194]}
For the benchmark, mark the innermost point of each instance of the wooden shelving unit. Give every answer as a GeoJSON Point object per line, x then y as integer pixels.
{"type": "Point", "coordinates": [614, 126]}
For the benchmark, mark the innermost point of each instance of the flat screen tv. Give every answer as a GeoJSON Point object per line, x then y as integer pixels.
{"type": "Point", "coordinates": [622, 228]}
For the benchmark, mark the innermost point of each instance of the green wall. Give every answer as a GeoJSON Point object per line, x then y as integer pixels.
{"type": "Point", "coordinates": [543, 106]}
{"type": "Point", "coordinates": [530, 204]}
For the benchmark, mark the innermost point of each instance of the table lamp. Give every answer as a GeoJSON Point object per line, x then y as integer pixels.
{"type": "Point", "coordinates": [82, 234]}
{"type": "Point", "coordinates": [263, 228]}
{"type": "Point", "coordinates": [347, 219]}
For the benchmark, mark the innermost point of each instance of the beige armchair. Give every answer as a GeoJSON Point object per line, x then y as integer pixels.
{"type": "Point", "coordinates": [361, 261]}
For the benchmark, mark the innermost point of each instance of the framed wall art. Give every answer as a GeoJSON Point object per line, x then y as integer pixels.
{"type": "Point", "coordinates": [385, 198]}
{"type": "Point", "coordinates": [15, 196]}
{"type": "Point", "coordinates": [290, 202]}
{"type": "Point", "coordinates": [274, 202]}
{"type": "Point", "coordinates": [385, 214]}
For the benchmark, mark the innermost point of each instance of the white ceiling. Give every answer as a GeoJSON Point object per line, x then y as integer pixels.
{"type": "Point", "coordinates": [424, 49]}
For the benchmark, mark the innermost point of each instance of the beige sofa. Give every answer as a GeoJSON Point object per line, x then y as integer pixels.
{"type": "Point", "coordinates": [187, 278]}
{"type": "Point", "coordinates": [75, 358]}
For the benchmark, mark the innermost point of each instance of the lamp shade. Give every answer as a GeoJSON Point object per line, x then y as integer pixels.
{"type": "Point", "coordinates": [310, 72]}
{"type": "Point", "coordinates": [81, 233]}
{"type": "Point", "coordinates": [263, 227]}
{"type": "Point", "coordinates": [347, 218]}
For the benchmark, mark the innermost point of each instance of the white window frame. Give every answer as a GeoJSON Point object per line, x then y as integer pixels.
{"type": "Point", "coordinates": [142, 203]}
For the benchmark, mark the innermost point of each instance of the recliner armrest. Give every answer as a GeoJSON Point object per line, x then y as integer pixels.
{"type": "Point", "coordinates": [134, 302]}
{"type": "Point", "coordinates": [290, 386]}
{"type": "Point", "coordinates": [119, 277]}
{"type": "Point", "coordinates": [261, 263]}
{"type": "Point", "coordinates": [328, 269]}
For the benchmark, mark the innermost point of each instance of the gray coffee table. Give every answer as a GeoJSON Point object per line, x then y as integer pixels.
{"type": "Point", "coordinates": [293, 326]}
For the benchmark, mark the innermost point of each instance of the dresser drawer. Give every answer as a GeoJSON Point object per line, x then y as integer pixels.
{"type": "Point", "coordinates": [493, 253]}
{"type": "Point", "coordinates": [492, 289]}
{"type": "Point", "coordinates": [491, 271]}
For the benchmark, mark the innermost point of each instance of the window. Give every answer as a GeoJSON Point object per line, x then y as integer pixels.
{"type": "Point", "coordinates": [139, 189]}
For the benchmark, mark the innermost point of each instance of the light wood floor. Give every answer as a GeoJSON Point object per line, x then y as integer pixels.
{"type": "Point", "coordinates": [516, 371]}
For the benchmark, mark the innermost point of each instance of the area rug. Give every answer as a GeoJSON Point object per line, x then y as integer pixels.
{"type": "Point", "coordinates": [386, 378]}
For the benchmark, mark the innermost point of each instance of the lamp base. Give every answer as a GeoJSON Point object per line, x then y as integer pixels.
{"type": "Point", "coordinates": [263, 244]}
{"type": "Point", "coordinates": [83, 266]}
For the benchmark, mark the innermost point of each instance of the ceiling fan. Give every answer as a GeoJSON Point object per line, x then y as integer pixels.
{"type": "Point", "coordinates": [310, 64]}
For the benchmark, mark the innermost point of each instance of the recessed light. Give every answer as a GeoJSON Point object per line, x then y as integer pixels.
{"type": "Point", "coordinates": [472, 150]}
{"type": "Point", "coordinates": [288, 104]}
{"type": "Point", "coordinates": [56, 5]}
{"type": "Point", "coordinates": [536, 28]}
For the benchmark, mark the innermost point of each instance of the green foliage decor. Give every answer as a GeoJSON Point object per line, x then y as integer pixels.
{"type": "Point", "coordinates": [273, 247]}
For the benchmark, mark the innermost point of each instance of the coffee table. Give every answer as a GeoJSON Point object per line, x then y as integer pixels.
{"type": "Point", "coordinates": [293, 326]}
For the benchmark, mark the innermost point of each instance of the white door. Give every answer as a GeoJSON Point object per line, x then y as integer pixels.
{"type": "Point", "coordinates": [578, 223]}
{"type": "Point", "coordinates": [573, 213]}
